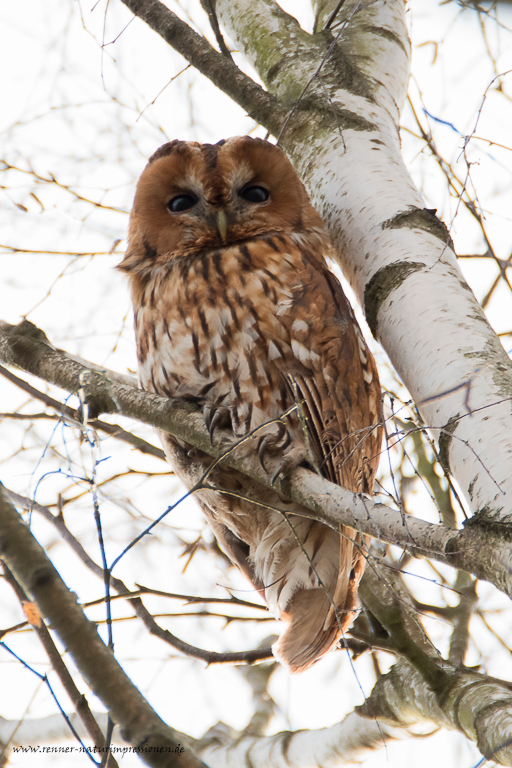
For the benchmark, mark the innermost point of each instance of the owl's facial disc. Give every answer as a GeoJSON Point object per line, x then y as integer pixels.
{"type": "Point", "coordinates": [193, 197]}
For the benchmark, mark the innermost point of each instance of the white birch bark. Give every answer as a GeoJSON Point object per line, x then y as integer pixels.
{"type": "Point", "coordinates": [394, 252]}
{"type": "Point", "coordinates": [400, 706]}
{"type": "Point", "coordinates": [350, 742]}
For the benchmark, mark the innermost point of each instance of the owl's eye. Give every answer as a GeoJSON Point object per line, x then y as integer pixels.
{"type": "Point", "coordinates": [181, 203]}
{"type": "Point", "coordinates": [255, 194]}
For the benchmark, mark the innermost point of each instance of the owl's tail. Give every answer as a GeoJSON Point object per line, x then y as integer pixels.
{"type": "Point", "coordinates": [318, 615]}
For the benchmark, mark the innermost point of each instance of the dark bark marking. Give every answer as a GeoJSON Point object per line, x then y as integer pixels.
{"type": "Point", "coordinates": [421, 218]}
{"type": "Point", "coordinates": [382, 285]}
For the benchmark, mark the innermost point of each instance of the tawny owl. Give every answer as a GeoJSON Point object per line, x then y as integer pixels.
{"type": "Point", "coordinates": [235, 310]}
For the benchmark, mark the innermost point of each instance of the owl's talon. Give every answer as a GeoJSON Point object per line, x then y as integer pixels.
{"type": "Point", "coordinates": [215, 416]}
{"type": "Point", "coordinates": [278, 472]}
{"type": "Point", "coordinates": [218, 419]}
{"type": "Point", "coordinates": [278, 442]}
{"type": "Point", "coordinates": [208, 412]}
{"type": "Point", "coordinates": [263, 443]}
{"type": "Point", "coordinates": [287, 441]}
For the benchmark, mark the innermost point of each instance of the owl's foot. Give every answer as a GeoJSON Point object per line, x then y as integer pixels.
{"type": "Point", "coordinates": [288, 462]}
{"type": "Point", "coordinates": [272, 444]}
{"type": "Point", "coordinates": [216, 416]}
{"type": "Point", "coordinates": [295, 457]}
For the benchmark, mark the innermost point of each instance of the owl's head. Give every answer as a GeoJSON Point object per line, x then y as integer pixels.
{"type": "Point", "coordinates": [193, 196]}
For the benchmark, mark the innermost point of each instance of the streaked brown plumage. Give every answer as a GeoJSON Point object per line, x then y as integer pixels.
{"type": "Point", "coordinates": [236, 310]}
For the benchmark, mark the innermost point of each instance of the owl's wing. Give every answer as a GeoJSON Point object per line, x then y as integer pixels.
{"type": "Point", "coordinates": [335, 377]}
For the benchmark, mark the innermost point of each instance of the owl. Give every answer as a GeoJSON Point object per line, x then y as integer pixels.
{"type": "Point", "coordinates": [236, 311]}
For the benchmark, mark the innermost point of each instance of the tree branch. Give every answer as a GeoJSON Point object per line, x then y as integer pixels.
{"type": "Point", "coordinates": [210, 657]}
{"type": "Point", "coordinates": [477, 706]}
{"type": "Point", "coordinates": [78, 700]}
{"type": "Point", "coordinates": [73, 415]}
{"type": "Point", "coordinates": [462, 615]}
{"type": "Point", "coordinates": [481, 550]}
{"type": "Point", "coordinates": [260, 105]}
{"type": "Point", "coordinates": [159, 744]}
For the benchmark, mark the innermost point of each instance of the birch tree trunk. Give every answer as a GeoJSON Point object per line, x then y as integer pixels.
{"type": "Point", "coordinates": [343, 137]}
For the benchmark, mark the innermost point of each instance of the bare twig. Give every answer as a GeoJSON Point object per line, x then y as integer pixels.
{"type": "Point", "coordinates": [78, 700]}
{"type": "Point", "coordinates": [221, 70]}
{"type": "Point", "coordinates": [28, 562]}
{"type": "Point", "coordinates": [73, 415]}
{"type": "Point", "coordinates": [210, 657]}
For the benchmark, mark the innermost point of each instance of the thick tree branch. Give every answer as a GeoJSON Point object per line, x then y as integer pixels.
{"type": "Point", "coordinates": [351, 741]}
{"type": "Point", "coordinates": [159, 744]}
{"type": "Point", "coordinates": [475, 705]}
{"type": "Point", "coordinates": [449, 695]}
{"type": "Point", "coordinates": [78, 700]}
{"type": "Point", "coordinates": [478, 549]}
{"type": "Point", "coordinates": [220, 69]}
{"type": "Point", "coordinates": [462, 615]}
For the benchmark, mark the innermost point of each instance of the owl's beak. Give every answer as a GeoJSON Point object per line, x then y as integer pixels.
{"type": "Point", "coordinates": [222, 224]}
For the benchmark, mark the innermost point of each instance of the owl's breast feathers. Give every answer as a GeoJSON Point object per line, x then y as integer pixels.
{"type": "Point", "coordinates": [231, 326]}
